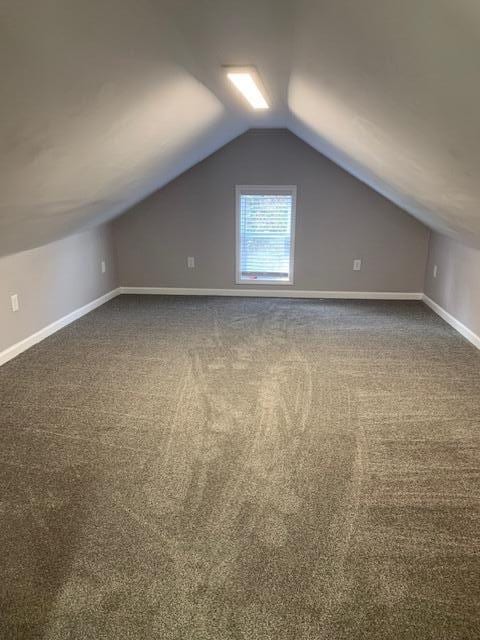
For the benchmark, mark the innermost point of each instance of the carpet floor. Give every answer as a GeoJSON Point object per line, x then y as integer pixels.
{"type": "Point", "coordinates": [242, 469]}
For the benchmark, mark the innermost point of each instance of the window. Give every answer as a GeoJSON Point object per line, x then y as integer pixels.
{"type": "Point", "coordinates": [265, 234]}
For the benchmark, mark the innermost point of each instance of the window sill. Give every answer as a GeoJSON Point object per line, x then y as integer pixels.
{"type": "Point", "coordinates": [288, 283]}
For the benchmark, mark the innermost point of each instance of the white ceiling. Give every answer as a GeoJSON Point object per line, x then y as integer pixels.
{"type": "Point", "coordinates": [104, 101]}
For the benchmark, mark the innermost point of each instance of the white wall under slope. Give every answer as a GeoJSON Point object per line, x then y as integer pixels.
{"type": "Point", "coordinates": [456, 287]}
{"type": "Point", "coordinates": [53, 281]}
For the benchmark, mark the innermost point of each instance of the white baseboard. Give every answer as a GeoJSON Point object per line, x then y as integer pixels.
{"type": "Point", "coordinates": [23, 345]}
{"type": "Point", "coordinates": [453, 322]}
{"type": "Point", "coordinates": [274, 293]}
{"type": "Point", "coordinates": [38, 336]}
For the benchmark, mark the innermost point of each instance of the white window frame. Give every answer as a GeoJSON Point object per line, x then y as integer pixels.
{"type": "Point", "coordinates": [264, 190]}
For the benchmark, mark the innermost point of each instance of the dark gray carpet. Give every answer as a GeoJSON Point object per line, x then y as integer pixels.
{"type": "Point", "coordinates": [228, 468]}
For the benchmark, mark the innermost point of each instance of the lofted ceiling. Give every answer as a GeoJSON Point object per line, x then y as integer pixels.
{"type": "Point", "coordinates": [104, 101]}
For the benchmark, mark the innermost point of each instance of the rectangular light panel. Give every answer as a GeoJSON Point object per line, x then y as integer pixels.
{"type": "Point", "coordinates": [248, 84]}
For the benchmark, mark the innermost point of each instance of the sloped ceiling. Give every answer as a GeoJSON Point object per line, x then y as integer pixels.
{"type": "Point", "coordinates": [391, 91]}
{"type": "Point", "coordinates": [104, 101]}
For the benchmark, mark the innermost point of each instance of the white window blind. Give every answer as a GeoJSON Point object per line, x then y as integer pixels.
{"type": "Point", "coordinates": [265, 224]}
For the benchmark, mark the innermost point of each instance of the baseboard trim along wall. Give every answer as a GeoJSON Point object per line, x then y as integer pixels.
{"type": "Point", "coordinates": [38, 336]}
{"type": "Point", "coordinates": [274, 293]}
{"type": "Point", "coordinates": [23, 345]}
{"type": "Point", "coordinates": [452, 321]}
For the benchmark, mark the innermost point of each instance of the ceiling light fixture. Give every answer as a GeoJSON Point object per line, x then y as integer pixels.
{"type": "Point", "coordinates": [247, 81]}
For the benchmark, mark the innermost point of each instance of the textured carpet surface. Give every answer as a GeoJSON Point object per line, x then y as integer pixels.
{"type": "Point", "coordinates": [228, 468]}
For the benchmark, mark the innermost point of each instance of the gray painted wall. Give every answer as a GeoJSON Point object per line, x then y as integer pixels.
{"type": "Point", "coordinates": [53, 280]}
{"type": "Point", "coordinates": [338, 219]}
{"type": "Point", "coordinates": [457, 285]}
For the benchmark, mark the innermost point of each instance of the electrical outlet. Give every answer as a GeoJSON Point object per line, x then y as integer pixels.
{"type": "Point", "coordinates": [357, 265]}
{"type": "Point", "coordinates": [104, 266]}
{"type": "Point", "coordinates": [15, 303]}
{"type": "Point", "coordinates": [435, 270]}
{"type": "Point", "coordinates": [191, 262]}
